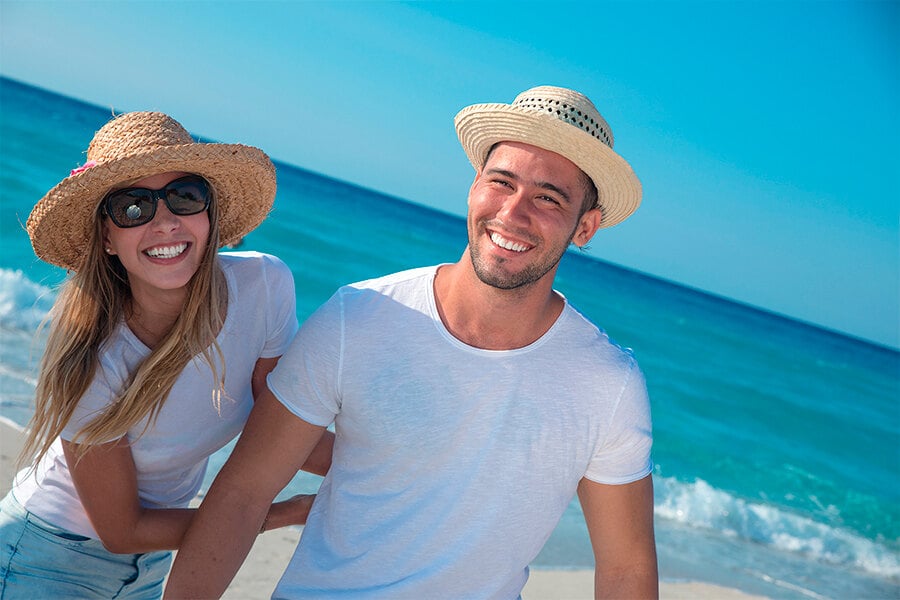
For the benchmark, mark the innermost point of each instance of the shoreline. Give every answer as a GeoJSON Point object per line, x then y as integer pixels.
{"type": "Point", "coordinates": [272, 551]}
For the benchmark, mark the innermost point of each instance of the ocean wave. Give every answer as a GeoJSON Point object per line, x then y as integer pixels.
{"type": "Point", "coordinates": [23, 303]}
{"type": "Point", "coordinates": [699, 505]}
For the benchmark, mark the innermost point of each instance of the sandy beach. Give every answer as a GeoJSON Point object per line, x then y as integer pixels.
{"type": "Point", "coordinates": [272, 551]}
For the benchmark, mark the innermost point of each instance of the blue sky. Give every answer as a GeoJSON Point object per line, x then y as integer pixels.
{"type": "Point", "coordinates": [765, 133]}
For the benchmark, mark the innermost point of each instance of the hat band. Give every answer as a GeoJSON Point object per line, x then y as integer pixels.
{"type": "Point", "coordinates": [567, 113]}
{"type": "Point", "coordinates": [83, 168]}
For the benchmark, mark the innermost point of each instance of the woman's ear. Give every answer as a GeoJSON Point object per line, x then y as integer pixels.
{"type": "Point", "coordinates": [104, 238]}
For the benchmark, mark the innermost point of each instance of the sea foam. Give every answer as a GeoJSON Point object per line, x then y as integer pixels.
{"type": "Point", "coordinates": [700, 505]}
{"type": "Point", "coordinates": [23, 303]}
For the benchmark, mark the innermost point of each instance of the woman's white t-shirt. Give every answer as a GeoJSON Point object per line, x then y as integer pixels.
{"type": "Point", "coordinates": [172, 455]}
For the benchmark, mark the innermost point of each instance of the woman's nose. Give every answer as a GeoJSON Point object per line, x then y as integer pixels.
{"type": "Point", "coordinates": [164, 219]}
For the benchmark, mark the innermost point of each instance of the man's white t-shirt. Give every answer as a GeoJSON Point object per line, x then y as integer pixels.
{"type": "Point", "coordinates": [452, 464]}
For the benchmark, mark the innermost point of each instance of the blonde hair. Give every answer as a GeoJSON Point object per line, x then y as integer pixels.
{"type": "Point", "coordinates": [90, 305]}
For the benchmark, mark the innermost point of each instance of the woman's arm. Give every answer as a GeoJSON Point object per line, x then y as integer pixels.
{"type": "Point", "coordinates": [106, 481]}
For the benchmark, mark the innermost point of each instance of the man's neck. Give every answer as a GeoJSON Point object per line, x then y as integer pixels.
{"type": "Point", "coordinates": [486, 317]}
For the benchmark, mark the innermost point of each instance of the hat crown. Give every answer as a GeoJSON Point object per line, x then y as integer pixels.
{"type": "Point", "coordinates": [568, 106]}
{"type": "Point", "coordinates": [134, 133]}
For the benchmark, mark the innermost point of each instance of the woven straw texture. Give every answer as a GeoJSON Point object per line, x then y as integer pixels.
{"type": "Point", "coordinates": [137, 145]}
{"type": "Point", "coordinates": [561, 121]}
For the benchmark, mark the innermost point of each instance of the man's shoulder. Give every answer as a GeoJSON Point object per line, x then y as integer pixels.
{"type": "Point", "coordinates": [408, 278]}
{"type": "Point", "coordinates": [375, 299]}
{"type": "Point", "coordinates": [589, 336]}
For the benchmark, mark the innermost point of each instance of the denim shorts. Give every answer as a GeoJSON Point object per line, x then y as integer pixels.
{"type": "Point", "coordinates": [40, 560]}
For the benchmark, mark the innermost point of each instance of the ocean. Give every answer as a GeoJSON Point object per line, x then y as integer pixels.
{"type": "Point", "coordinates": [777, 444]}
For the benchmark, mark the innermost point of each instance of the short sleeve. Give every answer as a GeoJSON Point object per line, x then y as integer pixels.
{"type": "Point", "coordinates": [281, 316]}
{"type": "Point", "coordinates": [624, 454]}
{"type": "Point", "coordinates": [307, 378]}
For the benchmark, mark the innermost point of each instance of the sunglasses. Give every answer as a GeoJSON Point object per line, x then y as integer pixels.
{"type": "Point", "coordinates": [131, 207]}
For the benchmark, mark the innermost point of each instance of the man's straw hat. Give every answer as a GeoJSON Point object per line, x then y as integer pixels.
{"type": "Point", "coordinates": [136, 145]}
{"type": "Point", "coordinates": [562, 121]}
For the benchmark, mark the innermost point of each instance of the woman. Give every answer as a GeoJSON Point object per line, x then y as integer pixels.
{"type": "Point", "coordinates": [157, 347]}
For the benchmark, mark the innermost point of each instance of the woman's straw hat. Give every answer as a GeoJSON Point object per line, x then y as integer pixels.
{"type": "Point", "coordinates": [136, 145]}
{"type": "Point", "coordinates": [562, 121]}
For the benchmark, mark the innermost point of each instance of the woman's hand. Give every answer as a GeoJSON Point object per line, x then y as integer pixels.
{"type": "Point", "coordinates": [293, 511]}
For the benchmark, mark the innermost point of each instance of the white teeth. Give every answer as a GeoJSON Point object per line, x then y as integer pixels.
{"type": "Point", "coordinates": [167, 251]}
{"type": "Point", "coordinates": [505, 243]}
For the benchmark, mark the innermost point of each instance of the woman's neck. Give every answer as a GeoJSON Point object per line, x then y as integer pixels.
{"type": "Point", "coordinates": [151, 320]}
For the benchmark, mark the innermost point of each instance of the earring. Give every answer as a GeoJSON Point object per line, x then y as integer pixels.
{"type": "Point", "coordinates": [109, 250]}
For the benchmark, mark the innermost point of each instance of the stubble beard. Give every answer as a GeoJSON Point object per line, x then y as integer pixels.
{"type": "Point", "coordinates": [491, 271]}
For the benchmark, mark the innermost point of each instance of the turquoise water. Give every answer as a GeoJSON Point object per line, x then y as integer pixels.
{"type": "Point", "coordinates": [777, 444]}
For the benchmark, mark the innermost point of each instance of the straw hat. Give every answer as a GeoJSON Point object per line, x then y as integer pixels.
{"type": "Point", "coordinates": [562, 121]}
{"type": "Point", "coordinates": [136, 145]}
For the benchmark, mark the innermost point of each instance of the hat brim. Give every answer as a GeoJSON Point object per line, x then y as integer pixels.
{"type": "Point", "coordinates": [480, 126]}
{"type": "Point", "coordinates": [243, 178]}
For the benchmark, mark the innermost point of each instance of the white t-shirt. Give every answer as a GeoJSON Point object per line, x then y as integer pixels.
{"type": "Point", "coordinates": [171, 456]}
{"type": "Point", "coordinates": [452, 464]}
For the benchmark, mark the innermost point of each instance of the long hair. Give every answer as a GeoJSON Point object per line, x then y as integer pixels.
{"type": "Point", "coordinates": [90, 305]}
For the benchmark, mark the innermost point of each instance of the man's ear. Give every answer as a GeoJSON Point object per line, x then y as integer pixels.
{"type": "Point", "coordinates": [588, 225]}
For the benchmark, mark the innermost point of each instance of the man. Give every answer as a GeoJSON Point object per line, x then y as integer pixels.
{"type": "Point", "coordinates": [470, 401]}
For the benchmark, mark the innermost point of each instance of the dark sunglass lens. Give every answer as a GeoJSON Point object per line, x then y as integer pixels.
{"type": "Point", "coordinates": [187, 196]}
{"type": "Point", "coordinates": [130, 208]}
